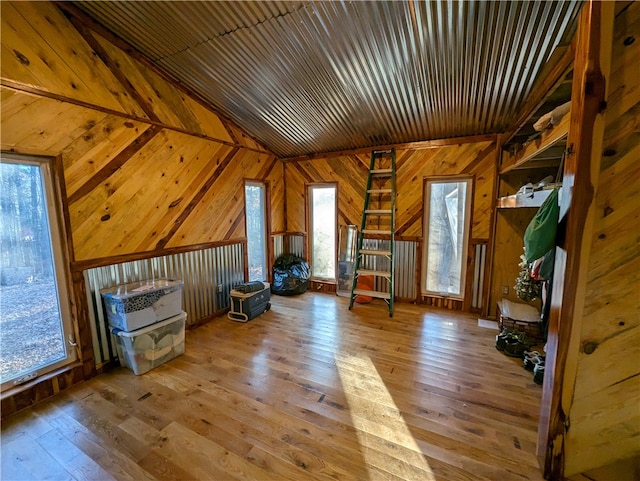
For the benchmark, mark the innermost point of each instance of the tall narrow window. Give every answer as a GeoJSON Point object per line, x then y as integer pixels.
{"type": "Point", "coordinates": [256, 215]}
{"type": "Point", "coordinates": [446, 233]}
{"type": "Point", "coordinates": [35, 318]}
{"type": "Point", "coordinates": [322, 210]}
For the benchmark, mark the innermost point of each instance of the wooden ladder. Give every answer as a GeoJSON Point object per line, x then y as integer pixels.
{"type": "Point", "coordinates": [373, 258]}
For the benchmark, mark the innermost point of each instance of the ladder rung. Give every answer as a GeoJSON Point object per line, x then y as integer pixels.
{"type": "Point", "coordinates": [379, 191]}
{"type": "Point", "coordinates": [371, 252]}
{"type": "Point", "coordinates": [381, 172]}
{"type": "Point", "coordinates": [388, 151]}
{"type": "Point", "coordinates": [377, 294]}
{"type": "Point", "coordinates": [369, 272]}
{"type": "Point", "coordinates": [378, 211]}
{"type": "Point", "coordinates": [376, 231]}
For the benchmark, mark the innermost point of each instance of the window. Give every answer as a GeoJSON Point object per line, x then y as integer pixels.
{"type": "Point", "coordinates": [322, 215]}
{"type": "Point", "coordinates": [256, 215]}
{"type": "Point", "coordinates": [446, 233]}
{"type": "Point", "coordinates": [35, 319]}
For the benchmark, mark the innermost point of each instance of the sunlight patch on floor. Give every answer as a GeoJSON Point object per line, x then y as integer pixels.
{"type": "Point", "coordinates": [386, 442]}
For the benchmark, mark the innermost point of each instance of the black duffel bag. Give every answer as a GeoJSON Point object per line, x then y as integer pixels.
{"type": "Point", "coordinates": [290, 275]}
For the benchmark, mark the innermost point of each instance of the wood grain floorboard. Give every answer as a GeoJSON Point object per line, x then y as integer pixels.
{"type": "Point", "coordinates": [307, 391]}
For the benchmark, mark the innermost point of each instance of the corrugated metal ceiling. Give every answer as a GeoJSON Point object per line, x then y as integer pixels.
{"type": "Point", "coordinates": [309, 77]}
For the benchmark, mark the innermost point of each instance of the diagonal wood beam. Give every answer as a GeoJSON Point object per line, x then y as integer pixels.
{"type": "Point", "coordinates": [114, 68]}
{"type": "Point", "coordinates": [415, 217]}
{"type": "Point", "coordinates": [479, 158]}
{"type": "Point", "coordinates": [116, 163]}
{"type": "Point", "coordinates": [197, 198]}
{"type": "Point", "coordinates": [235, 224]}
{"type": "Point", "coordinates": [69, 10]}
{"type": "Point", "coordinates": [31, 90]}
{"type": "Point", "coordinates": [267, 168]}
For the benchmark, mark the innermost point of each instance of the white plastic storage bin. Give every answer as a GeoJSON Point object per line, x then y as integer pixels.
{"type": "Point", "coordinates": [143, 349]}
{"type": "Point", "coordinates": [139, 304]}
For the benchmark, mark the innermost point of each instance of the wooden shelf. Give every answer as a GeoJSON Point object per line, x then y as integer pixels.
{"type": "Point", "coordinates": [535, 199]}
{"type": "Point", "coordinates": [547, 139]}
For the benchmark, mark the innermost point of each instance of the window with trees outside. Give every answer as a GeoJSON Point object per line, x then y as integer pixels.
{"type": "Point", "coordinates": [256, 215]}
{"type": "Point", "coordinates": [447, 207]}
{"type": "Point", "coordinates": [322, 229]}
{"type": "Point", "coordinates": [35, 321]}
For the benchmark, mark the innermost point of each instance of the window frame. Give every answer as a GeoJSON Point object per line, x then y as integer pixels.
{"type": "Point", "coordinates": [61, 254]}
{"type": "Point", "coordinates": [267, 225]}
{"type": "Point", "coordinates": [309, 223]}
{"type": "Point", "coordinates": [468, 224]}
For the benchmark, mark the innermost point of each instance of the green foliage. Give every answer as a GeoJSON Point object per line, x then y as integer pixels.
{"type": "Point", "coordinates": [526, 288]}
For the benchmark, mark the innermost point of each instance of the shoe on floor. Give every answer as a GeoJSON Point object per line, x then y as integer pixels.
{"type": "Point", "coordinates": [538, 374]}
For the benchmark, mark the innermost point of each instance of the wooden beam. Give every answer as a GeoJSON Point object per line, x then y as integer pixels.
{"type": "Point", "coordinates": [71, 11]}
{"type": "Point", "coordinates": [425, 144]}
{"type": "Point", "coordinates": [234, 225]}
{"type": "Point", "coordinates": [586, 130]}
{"type": "Point", "coordinates": [114, 164]}
{"type": "Point", "coordinates": [417, 213]}
{"type": "Point", "coordinates": [547, 139]}
{"type": "Point", "coordinates": [114, 68]}
{"type": "Point", "coordinates": [31, 90]}
{"type": "Point", "coordinates": [479, 158]}
{"type": "Point", "coordinates": [268, 167]}
{"type": "Point", "coordinates": [488, 271]}
{"type": "Point", "coordinates": [542, 90]}
{"type": "Point", "coordinates": [79, 266]}
{"type": "Point", "coordinates": [197, 198]}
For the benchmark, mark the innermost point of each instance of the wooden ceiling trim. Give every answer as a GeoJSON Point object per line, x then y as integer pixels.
{"type": "Point", "coordinates": [116, 163]}
{"type": "Point", "coordinates": [71, 11]}
{"type": "Point", "coordinates": [197, 198]}
{"type": "Point", "coordinates": [425, 144]}
{"type": "Point", "coordinates": [113, 67]}
{"type": "Point", "coordinates": [29, 89]}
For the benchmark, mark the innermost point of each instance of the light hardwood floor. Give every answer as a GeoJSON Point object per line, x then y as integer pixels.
{"type": "Point", "coordinates": [307, 391]}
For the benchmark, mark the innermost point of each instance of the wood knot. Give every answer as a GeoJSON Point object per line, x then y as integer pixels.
{"type": "Point", "coordinates": [105, 217]}
{"type": "Point", "coordinates": [589, 347]}
{"type": "Point", "coordinates": [129, 125]}
{"type": "Point", "coordinates": [607, 211]}
{"type": "Point", "coordinates": [628, 41]}
{"type": "Point", "coordinates": [609, 152]}
{"type": "Point", "coordinates": [21, 58]}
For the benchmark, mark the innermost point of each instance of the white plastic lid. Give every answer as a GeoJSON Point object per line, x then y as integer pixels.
{"type": "Point", "coordinates": [152, 327]}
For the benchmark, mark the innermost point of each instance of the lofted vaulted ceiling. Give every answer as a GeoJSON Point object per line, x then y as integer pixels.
{"type": "Point", "coordinates": [307, 77]}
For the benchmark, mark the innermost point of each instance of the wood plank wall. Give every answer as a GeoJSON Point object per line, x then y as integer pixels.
{"type": "Point", "coordinates": [589, 419]}
{"type": "Point", "coordinates": [604, 414]}
{"type": "Point", "coordinates": [147, 167]}
{"type": "Point", "coordinates": [476, 159]}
